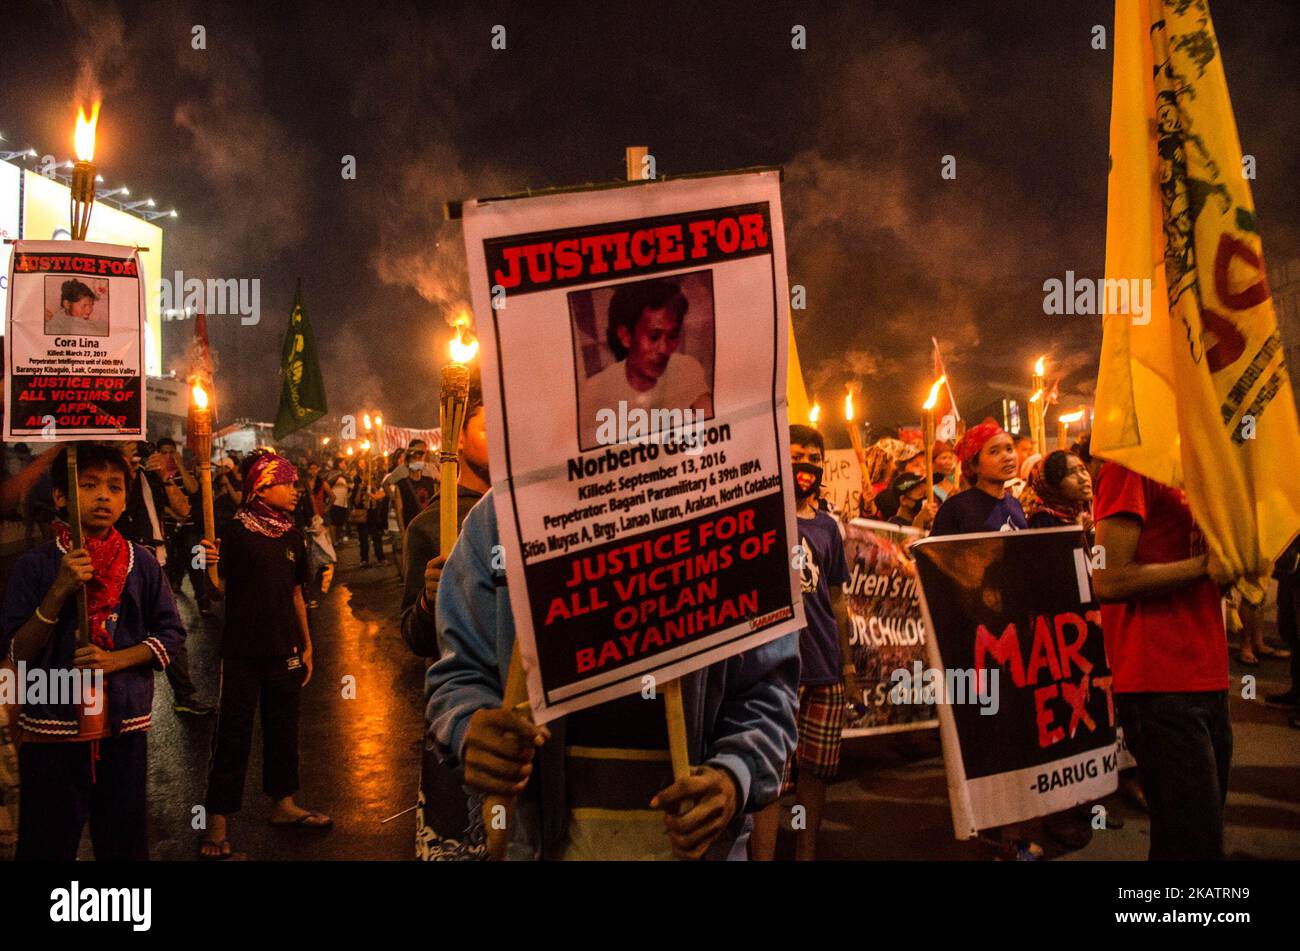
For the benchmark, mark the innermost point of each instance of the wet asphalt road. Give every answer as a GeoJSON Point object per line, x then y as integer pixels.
{"type": "Point", "coordinates": [360, 760]}
{"type": "Point", "coordinates": [359, 757]}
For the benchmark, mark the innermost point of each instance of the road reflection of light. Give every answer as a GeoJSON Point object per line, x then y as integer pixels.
{"type": "Point", "coordinates": [372, 722]}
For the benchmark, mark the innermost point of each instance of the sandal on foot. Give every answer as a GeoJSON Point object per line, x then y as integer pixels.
{"type": "Point", "coordinates": [214, 850]}
{"type": "Point", "coordinates": [308, 820]}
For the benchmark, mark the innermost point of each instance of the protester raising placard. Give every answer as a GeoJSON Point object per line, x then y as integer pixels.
{"type": "Point", "coordinates": [634, 363]}
{"type": "Point", "coordinates": [74, 344]}
{"type": "Point", "coordinates": [1017, 662]}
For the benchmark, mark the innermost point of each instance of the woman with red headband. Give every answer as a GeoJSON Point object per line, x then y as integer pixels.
{"type": "Point", "coordinates": [988, 460]}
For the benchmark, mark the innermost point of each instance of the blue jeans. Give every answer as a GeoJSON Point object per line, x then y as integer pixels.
{"type": "Point", "coordinates": [1183, 746]}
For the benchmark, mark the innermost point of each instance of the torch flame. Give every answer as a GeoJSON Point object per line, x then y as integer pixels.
{"type": "Point", "coordinates": [365, 445]}
{"type": "Point", "coordinates": [84, 138]}
{"type": "Point", "coordinates": [324, 440]}
{"type": "Point", "coordinates": [379, 420]}
{"type": "Point", "coordinates": [1071, 417]}
{"type": "Point", "coordinates": [1041, 366]}
{"type": "Point", "coordinates": [815, 413]}
{"type": "Point", "coordinates": [366, 420]}
{"type": "Point", "coordinates": [464, 347]}
{"type": "Point", "coordinates": [934, 393]}
{"type": "Point", "coordinates": [848, 406]}
{"type": "Point", "coordinates": [349, 450]}
{"type": "Point", "coordinates": [200, 396]}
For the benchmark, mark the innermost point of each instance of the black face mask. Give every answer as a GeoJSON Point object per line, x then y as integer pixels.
{"type": "Point", "coordinates": [807, 479]}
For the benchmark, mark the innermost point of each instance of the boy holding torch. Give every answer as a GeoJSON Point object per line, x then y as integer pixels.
{"type": "Point", "coordinates": [68, 779]}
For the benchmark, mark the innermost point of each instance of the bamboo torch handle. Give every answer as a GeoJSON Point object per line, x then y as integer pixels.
{"type": "Point", "coordinates": [74, 527]}
{"type": "Point", "coordinates": [499, 811]}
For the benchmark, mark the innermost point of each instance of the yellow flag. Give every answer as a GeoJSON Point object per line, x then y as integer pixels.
{"type": "Point", "coordinates": [796, 395]}
{"type": "Point", "coordinates": [1192, 389]}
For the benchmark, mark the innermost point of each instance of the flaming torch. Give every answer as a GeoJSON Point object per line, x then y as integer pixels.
{"type": "Point", "coordinates": [455, 400]}
{"type": "Point", "coordinates": [1063, 427]}
{"type": "Point", "coordinates": [855, 434]}
{"type": "Point", "coordinates": [814, 414]}
{"type": "Point", "coordinates": [202, 440]}
{"type": "Point", "coordinates": [1038, 406]}
{"type": "Point", "coordinates": [83, 172]}
{"type": "Point", "coordinates": [91, 725]}
{"type": "Point", "coordinates": [927, 420]}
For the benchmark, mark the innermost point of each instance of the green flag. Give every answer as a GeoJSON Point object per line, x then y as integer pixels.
{"type": "Point", "coordinates": [302, 391]}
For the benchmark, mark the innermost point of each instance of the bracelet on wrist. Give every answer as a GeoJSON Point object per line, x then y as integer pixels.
{"type": "Point", "coordinates": [42, 618]}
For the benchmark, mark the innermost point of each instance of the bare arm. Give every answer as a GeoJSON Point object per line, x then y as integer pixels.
{"type": "Point", "coordinates": [304, 632]}
{"type": "Point", "coordinates": [840, 608]}
{"type": "Point", "coordinates": [1123, 579]}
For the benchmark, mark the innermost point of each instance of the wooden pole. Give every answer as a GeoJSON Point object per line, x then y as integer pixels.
{"type": "Point", "coordinates": [74, 526]}
{"type": "Point", "coordinates": [928, 421]}
{"type": "Point", "coordinates": [674, 710]}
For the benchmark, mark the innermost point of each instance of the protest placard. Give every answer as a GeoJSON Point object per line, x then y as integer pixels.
{"type": "Point", "coordinates": [74, 342]}
{"type": "Point", "coordinates": [634, 372]}
{"type": "Point", "coordinates": [887, 638]}
{"type": "Point", "coordinates": [1026, 715]}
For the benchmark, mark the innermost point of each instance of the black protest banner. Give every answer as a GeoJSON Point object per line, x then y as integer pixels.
{"type": "Point", "coordinates": [1027, 717]}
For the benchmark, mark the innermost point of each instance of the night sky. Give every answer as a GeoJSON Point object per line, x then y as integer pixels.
{"type": "Point", "coordinates": [246, 137]}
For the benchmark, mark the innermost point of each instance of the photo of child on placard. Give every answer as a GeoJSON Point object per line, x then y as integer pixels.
{"type": "Point", "coordinates": [74, 306]}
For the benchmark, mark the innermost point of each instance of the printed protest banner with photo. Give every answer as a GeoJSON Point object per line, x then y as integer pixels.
{"type": "Point", "coordinates": [888, 631]}
{"type": "Point", "coordinates": [1028, 722]}
{"type": "Point", "coordinates": [635, 342]}
{"type": "Point", "coordinates": [74, 342]}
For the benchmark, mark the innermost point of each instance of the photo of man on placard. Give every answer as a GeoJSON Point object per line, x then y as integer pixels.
{"type": "Point", "coordinates": [646, 344]}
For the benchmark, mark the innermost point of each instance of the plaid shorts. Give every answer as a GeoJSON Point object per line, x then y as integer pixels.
{"type": "Point", "coordinates": [821, 725]}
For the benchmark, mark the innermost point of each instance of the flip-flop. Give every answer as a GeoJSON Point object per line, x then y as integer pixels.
{"type": "Point", "coordinates": [224, 851]}
{"type": "Point", "coordinates": [1248, 660]}
{"type": "Point", "coordinates": [308, 820]}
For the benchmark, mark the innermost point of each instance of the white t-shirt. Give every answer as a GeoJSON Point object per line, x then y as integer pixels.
{"type": "Point", "coordinates": [341, 493]}
{"type": "Point", "coordinates": [680, 385]}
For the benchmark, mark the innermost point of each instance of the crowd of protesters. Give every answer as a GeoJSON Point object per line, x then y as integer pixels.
{"type": "Point", "coordinates": [280, 524]}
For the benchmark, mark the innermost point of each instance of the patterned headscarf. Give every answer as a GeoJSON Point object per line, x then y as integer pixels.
{"type": "Point", "coordinates": [1041, 496]}
{"type": "Point", "coordinates": [266, 470]}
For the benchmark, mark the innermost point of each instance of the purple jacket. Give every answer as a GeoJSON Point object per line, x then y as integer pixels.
{"type": "Point", "coordinates": [147, 615]}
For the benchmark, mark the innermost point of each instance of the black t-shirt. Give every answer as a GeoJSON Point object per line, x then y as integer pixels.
{"type": "Point", "coordinates": [974, 510]}
{"type": "Point", "coordinates": [416, 495]}
{"type": "Point", "coordinates": [261, 574]}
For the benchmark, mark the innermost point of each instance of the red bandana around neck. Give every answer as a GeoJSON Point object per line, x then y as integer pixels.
{"type": "Point", "coordinates": [111, 558]}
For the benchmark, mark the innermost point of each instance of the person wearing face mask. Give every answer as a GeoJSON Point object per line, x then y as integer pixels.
{"type": "Point", "coordinates": [419, 488]}
{"type": "Point", "coordinates": [827, 676]}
